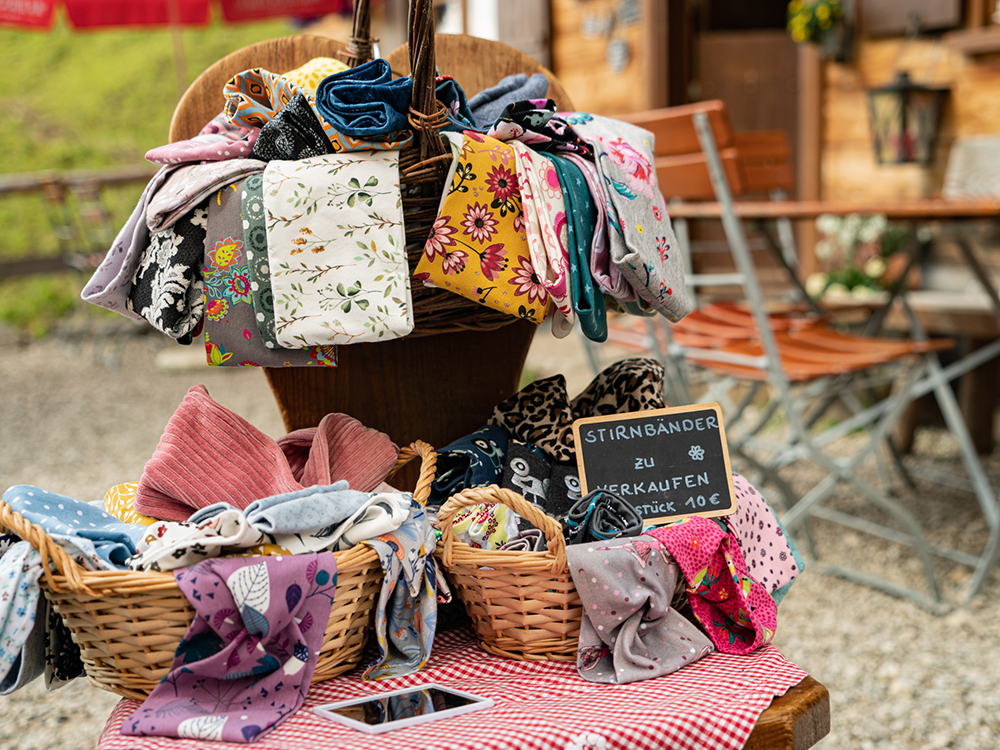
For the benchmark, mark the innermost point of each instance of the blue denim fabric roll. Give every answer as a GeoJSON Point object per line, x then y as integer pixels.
{"type": "Point", "coordinates": [365, 102]}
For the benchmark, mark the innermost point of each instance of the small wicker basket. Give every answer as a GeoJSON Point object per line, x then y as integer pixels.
{"type": "Point", "coordinates": [523, 605]}
{"type": "Point", "coordinates": [128, 623]}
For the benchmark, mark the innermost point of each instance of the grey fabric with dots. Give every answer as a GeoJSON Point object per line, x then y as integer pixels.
{"type": "Point", "coordinates": [629, 632]}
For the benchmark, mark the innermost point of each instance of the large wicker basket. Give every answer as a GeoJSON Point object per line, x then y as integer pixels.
{"type": "Point", "coordinates": [128, 623]}
{"type": "Point", "coordinates": [523, 605]}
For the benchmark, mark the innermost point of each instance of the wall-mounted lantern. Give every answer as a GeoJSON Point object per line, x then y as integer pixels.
{"type": "Point", "coordinates": [904, 118]}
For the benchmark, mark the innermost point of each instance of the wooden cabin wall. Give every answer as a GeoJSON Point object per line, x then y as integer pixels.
{"type": "Point", "coordinates": [849, 170]}
{"type": "Point", "coordinates": [579, 61]}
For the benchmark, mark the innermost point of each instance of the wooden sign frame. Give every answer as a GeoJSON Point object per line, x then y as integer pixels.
{"type": "Point", "coordinates": [636, 428]}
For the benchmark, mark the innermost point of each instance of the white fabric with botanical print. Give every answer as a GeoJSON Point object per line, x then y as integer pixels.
{"type": "Point", "coordinates": [336, 250]}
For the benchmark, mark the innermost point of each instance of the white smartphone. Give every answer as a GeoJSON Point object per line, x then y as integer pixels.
{"type": "Point", "coordinates": [398, 709]}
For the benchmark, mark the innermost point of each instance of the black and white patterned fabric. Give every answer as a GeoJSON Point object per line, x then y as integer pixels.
{"type": "Point", "coordinates": [553, 487]}
{"type": "Point", "coordinates": [63, 663]}
{"type": "Point", "coordinates": [168, 289]}
{"type": "Point", "coordinates": [293, 133]}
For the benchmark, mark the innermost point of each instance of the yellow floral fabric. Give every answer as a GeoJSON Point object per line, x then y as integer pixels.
{"type": "Point", "coordinates": [478, 247]}
{"type": "Point", "coordinates": [309, 75]}
{"type": "Point", "coordinates": [118, 502]}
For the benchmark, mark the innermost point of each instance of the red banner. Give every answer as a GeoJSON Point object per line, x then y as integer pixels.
{"type": "Point", "coordinates": [36, 14]}
{"type": "Point", "coordinates": [244, 10]}
{"type": "Point", "coordinates": [93, 13]}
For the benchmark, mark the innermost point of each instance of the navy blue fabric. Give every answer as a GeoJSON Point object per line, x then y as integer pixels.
{"type": "Point", "coordinates": [365, 102]}
{"type": "Point", "coordinates": [452, 96]}
{"type": "Point", "coordinates": [475, 460]}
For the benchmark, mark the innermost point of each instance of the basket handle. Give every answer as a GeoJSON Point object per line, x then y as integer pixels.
{"type": "Point", "coordinates": [426, 117]}
{"type": "Point", "coordinates": [495, 494]}
{"type": "Point", "coordinates": [359, 47]}
{"type": "Point", "coordinates": [428, 467]}
{"type": "Point", "coordinates": [37, 538]}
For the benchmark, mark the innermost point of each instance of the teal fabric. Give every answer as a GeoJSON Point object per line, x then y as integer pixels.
{"type": "Point", "coordinates": [581, 215]}
{"type": "Point", "coordinates": [255, 237]}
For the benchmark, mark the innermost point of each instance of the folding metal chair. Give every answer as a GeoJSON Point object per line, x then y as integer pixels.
{"type": "Point", "coordinates": [801, 363]}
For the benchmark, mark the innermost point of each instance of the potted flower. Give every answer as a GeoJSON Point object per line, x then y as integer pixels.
{"type": "Point", "coordinates": [822, 22]}
{"type": "Point", "coordinates": [860, 256]}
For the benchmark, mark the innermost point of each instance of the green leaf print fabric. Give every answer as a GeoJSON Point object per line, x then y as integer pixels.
{"type": "Point", "coordinates": [335, 249]}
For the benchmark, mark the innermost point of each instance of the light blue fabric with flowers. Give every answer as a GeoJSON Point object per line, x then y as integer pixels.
{"type": "Point", "coordinates": [406, 612]}
{"type": "Point", "coordinates": [20, 571]}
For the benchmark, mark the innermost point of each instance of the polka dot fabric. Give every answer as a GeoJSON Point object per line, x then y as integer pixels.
{"type": "Point", "coordinates": [770, 554]}
{"type": "Point", "coordinates": [113, 540]}
{"type": "Point", "coordinates": [219, 140]}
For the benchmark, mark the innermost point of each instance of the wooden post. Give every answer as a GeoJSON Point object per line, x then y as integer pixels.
{"type": "Point", "coordinates": [810, 148]}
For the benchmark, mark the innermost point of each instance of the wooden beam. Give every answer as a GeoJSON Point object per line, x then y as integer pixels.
{"type": "Point", "coordinates": [656, 50]}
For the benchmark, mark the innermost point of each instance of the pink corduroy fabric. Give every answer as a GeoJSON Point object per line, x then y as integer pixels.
{"type": "Point", "coordinates": [208, 455]}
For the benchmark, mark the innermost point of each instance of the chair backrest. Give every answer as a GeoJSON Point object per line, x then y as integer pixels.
{"type": "Point", "coordinates": [971, 171]}
{"type": "Point", "coordinates": [755, 162]}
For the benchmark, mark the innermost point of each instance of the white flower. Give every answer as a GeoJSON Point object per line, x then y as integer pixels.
{"type": "Point", "coordinates": [875, 268]}
{"type": "Point", "coordinates": [873, 228]}
{"type": "Point", "coordinates": [825, 249]}
{"type": "Point", "coordinates": [828, 224]}
{"type": "Point", "coordinates": [837, 291]}
{"type": "Point", "coordinates": [815, 284]}
{"type": "Point", "coordinates": [862, 292]}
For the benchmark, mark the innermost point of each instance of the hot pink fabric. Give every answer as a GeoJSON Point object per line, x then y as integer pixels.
{"type": "Point", "coordinates": [209, 454]}
{"type": "Point", "coordinates": [735, 611]}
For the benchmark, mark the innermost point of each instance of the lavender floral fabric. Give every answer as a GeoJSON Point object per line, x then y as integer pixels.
{"type": "Point", "coordinates": [642, 240]}
{"type": "Point", "coordinates": [247, 660]}
{"type": "Point", "coordinates": [192, 184]}
{"type": "Point", "coordinates": [109, 286]}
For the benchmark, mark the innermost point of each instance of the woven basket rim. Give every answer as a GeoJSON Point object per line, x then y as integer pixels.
{"type": "Point", "coordinates": [71, 576]}
{"type": "Point", "coordinates": [552, 559]}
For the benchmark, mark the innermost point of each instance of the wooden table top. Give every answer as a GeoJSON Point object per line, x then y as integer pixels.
{"type": "Point", "coordinates": [925, 208]}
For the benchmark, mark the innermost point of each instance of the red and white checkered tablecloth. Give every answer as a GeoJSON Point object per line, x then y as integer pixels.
{"type": "Point", "coordinates": [541, 705]}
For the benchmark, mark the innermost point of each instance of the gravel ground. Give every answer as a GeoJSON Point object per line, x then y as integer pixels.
{"type": "Point", "coordinates": [898, 676]}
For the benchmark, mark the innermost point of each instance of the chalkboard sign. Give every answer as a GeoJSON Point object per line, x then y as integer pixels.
{"type": "Point", "coordinates": [667, 463]}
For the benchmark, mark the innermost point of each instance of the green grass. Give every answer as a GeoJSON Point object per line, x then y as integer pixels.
{"type": "Point", "coordinates": [74, 99]}
{"type": "Point", "coordinates": [85, 99]}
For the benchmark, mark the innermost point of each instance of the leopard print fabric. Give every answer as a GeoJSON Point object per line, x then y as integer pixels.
{"type": "Point", "coordinates": [542, 414]}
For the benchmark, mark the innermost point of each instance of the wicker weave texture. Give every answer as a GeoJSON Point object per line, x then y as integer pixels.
{"type": "Point", "coordinates": [128, 624]}
{"type": "Point", "coordinates": [523, 605]}
{"type": "Point", "coordinates": [127, 638]}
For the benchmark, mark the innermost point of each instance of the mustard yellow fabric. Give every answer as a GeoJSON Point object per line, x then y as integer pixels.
{"type": "Point", "coordinates": [309, 75]}
{"type": "Point", "coordinates": [118, 502]}
{"type": "Point", "coordinates": [478, 247]}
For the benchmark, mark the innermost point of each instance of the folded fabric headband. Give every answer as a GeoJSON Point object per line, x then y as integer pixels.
{"type": "Point", "coordinates": [601, 515]}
